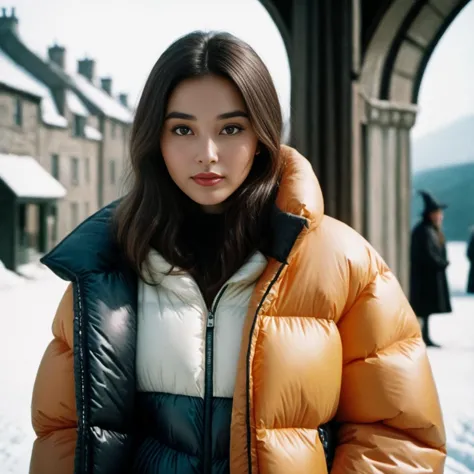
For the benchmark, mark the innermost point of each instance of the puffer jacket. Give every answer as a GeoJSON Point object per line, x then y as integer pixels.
{"type": "Point", "coordinates": [328, 337]}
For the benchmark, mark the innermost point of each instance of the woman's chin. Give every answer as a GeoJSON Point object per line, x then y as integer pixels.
{"type": "Point", "coordinates": [209, 201]}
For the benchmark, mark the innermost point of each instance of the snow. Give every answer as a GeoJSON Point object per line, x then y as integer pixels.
{"type": "Point", "coordinates": [27, 178]}
{"type": "Point", "coordinates": [49, 113]}
{"type": "Point", "coordinates": [106, 103]}
{"type": "Point", "coordinates": [75, 105]}
{"type": "Point", "coordinates": [26, 313]}
{"type": "Point", "coordinates": [92, 133]}
{"type": "Point", "coordinates": [453, 365]}
{"type": "Point", "coordinates": [27, 310]}
{"type": "Point", "coordinates": [17, 78]}
{"type": "Point", "coordinates": [8, 279]}
{"type": "Point", "coordinates": [33, 270]}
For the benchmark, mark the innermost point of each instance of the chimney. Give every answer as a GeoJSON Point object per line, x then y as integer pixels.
{"type": "Point", "coordinates": [85, 67]}
{"type": "Point", "coordinates": [123, 98]}
{"type": "Point", "coordinates": [9, 23]}
{"type": "Point", "coordinates": [106, 84]}
{"type": "Point", "coordinates": [57, 55]}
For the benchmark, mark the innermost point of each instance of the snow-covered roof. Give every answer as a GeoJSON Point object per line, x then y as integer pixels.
{"type": "Point", "coordinates": [92, 133]}
{"type": "Point", "coordinates": [49, 112]}
{"type": "Point", "coordinates": [15, 77]}
{"type": "Point", "coordinates": [106, 103]}
{"type": "Point", "coordinates": [75, 105]}
{"type": "Point", "coordinates": [28, 179]}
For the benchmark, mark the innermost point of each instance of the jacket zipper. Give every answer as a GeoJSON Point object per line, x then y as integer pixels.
{"type": "Point", "coordinates": [249, 440]}
{"type": "Point", "coordinates": [209, 383]}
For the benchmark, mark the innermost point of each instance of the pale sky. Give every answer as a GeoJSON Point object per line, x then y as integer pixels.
{"type": "Point", "coordinates": [126, 38]}
{"type": "Point", "coordinates": [447, 89]}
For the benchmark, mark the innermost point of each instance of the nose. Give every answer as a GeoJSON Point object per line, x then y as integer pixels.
{"type": "Point", "coordinates": [207, 153]}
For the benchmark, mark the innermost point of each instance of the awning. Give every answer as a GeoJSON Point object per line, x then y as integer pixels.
{"type": "Point", "coordinates": [26, 178]}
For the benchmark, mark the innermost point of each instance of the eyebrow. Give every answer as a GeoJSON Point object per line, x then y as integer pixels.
{"type": "Point", "coordinates": [227, 115]}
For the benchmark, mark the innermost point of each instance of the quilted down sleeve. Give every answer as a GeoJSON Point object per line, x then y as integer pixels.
{"type": "Point", "coordinates": [389, 410]}
{"type": "Point", "coordinates": [53, 406]}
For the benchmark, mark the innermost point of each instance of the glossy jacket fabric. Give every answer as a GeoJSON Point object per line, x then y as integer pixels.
{"type": "Point", "coordinates": [186, 361]}
{"type": "Point", "coordinates": [329, 335]}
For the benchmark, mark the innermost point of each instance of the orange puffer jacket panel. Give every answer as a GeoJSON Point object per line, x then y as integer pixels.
{"type": "Point", "coordinates": [336, 337]}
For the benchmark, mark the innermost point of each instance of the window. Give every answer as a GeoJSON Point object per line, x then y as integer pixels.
{"type": "Point", "coordinates": [86, 210]}
{"type": "Point", "coordinates": [112, 172]}
{"type": "Point", "coordinates": [79, 126]}
{"type": "Point", "coordinates": [18, 114]}
{"type": "Point", "coordinates": [87, 171]}
{"type": "Point", "coordinates": [75, 171]}
{"type": "Point", "coordinates": [113, 129]}
{"type": "Point", "coordinates": [54, 216]}
{"type": "Point", "coordinates": [74, 215]}
{"type": "Point", "coordinates": [55, 166]}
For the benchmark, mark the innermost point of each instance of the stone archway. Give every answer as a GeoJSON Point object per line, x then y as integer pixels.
{"type": "Point", "coordinates": [393, 64]}
{"type": "Point", "coordinates": [356, 69]}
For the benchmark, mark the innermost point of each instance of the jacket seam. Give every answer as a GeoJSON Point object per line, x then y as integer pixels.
{"type": "Point", "coordinates": [83, 363]}
{"type": "Point", "coordinates": [283, 428]}
{"type": "Point", "coordinates": [264, 297]}
{"type": "Point", "coordinates": [378, 274]}
{"type": "Point", "coordinates": [376, 352]}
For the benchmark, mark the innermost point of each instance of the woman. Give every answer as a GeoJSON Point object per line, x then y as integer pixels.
{"type": "Point", "coordinates": [429, 291]}
{"type": "Point", "coordinates": [217, 321]}
{"type": "Point", "coordinates": [470, 257]}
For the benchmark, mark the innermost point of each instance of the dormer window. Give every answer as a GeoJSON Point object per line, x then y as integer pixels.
{"type": "Point", "coordinates": [79, 126]}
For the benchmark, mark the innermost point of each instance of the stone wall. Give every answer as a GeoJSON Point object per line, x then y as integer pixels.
{"type": "Point", "coordinates": [15, 139]}
{"type": "Point", "coordinates": [82, 193]}
{"type": "Point", "coordinates": [115, 159]}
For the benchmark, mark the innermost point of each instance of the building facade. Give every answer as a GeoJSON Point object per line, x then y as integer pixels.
{"type": "Point", "coordinates": [72, 125]}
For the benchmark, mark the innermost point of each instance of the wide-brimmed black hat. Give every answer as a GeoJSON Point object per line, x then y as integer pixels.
{"type": "Point", "coordinates": [431, 204]}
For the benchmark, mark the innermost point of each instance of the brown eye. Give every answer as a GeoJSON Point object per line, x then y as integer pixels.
{"type": "Point", "coordinates": [181, 130]}
{"type": "Point", "coordinates": [232, 130]}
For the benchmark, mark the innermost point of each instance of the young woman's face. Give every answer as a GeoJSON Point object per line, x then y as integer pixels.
{"type": "Point", "coordinates": [207, 141]}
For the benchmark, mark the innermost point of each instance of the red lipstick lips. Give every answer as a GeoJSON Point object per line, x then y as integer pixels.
{"type": "Point", "coordinates": [208, 179]}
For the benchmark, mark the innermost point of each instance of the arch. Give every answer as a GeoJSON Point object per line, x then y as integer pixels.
{"type": "Point", "coordinates": [401, 46]}
{"type": "Point", "coordinates": [275, 9]}
{"type": "Point", "coordinates": [274, 12]}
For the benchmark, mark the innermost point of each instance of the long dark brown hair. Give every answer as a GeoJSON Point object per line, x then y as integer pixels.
{"type": "Point", "coordinates": [153, 212]}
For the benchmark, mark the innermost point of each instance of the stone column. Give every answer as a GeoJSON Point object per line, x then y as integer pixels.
{"type": "Point", "coordinates": [377, 120]}
{"type": "Point", "coordinates": [388, 182]}
{"type": "Point", "coordinates": [322, 89]}
{"type": "Point", "coordinates": [404, 189]}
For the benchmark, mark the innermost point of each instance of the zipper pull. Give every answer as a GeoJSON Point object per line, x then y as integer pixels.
{"type": "Point", "coordinates": [210, 319]}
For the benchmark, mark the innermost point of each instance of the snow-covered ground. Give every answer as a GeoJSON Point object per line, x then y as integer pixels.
{"type": "Point", "coordinates": [27, 307]}
{"type": "Point", "coordinates": [453, 365]}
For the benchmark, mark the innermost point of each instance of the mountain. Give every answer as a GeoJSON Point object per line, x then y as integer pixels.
{"type": "Point", "coordinates": [453, 185]}
{"type": "Point", "coordinates": [450, 145]}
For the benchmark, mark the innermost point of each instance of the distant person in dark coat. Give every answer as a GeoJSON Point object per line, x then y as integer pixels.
{"type": "Point", "coordinates": [470, 256]}
{"type": "Point", "coordinates": [429, 291]}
